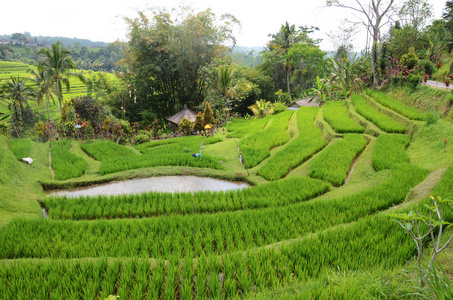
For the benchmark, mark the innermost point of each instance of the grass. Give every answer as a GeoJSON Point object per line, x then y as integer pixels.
{"type": "Point", "coordinates": [20, 147]}
{"type": "Point", "coordinates": [397, 106]}
{"type": "Point", "coordinates": [381, 120]}
{"type": "Point", "coordinates": [64, 163]}
{"type": "Point", "coordinates": [116, 158]}
{"type": "Point", "coordinates": [336, 114]}
{"type": "Point", "coordinates": [293, 237]}
{"type": "Point", "coordinates": [256, 147]}
{"type": "Point", "coordinates": [427, 149]}
{"type": "Point", "coordinates": [308, 142]}
{"type": "Point", "coordinates": [334, 162]}
{"type": "Point", "coordinates": [389, 150]}
{"type": "Point", "coordinates": [19, 188]}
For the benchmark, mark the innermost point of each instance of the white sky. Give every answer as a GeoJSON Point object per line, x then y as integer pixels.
{"type": "Point", "coordinates": [102, 20]}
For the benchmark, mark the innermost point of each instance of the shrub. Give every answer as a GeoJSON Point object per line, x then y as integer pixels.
{"type": "Point", "coordinates": [199, 122]}
{"type": "Point", "coordinates": [208, 116]}
{"type": "Point", "coordinates": [185, 126]}
{"type": "Point", "coordinates": [431, 118]}
{"type": "Point", "coordinates": [410, 59]}
{"type": "Point", "coordinates": [88, 109]}
{"type": "Point", "coordinates": [279, 107]}
{"type": "Point", "coordinates": [142, 138]}
{"type": "Point", "coordinates": [428, 67]}
{"type": "Point", "coordinates": [413, 81]}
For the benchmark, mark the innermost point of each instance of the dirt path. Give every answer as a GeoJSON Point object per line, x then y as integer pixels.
{"type": "Point", "coordinates": [52, 172]}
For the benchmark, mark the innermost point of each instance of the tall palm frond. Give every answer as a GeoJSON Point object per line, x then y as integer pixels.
{"type": "Point", "coordinates": [57, 60]}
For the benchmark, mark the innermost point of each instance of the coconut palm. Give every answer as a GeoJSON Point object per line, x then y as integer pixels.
{"type": "Point", "coordinates": [57, 61]}
{"type": "Point", "coordinates": [225, 78]}
{"type": "Point", "coordinates": [283, 41]}
{"type": "Point", "coordinates": [15, 93]}
{"type": "Point", "coordinates": [43, 80]}
{"type": "Point", "coordinates": [262, 108]}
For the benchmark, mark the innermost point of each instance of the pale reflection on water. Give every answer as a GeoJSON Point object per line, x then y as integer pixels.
{"type": "Point", "coordinates": [170, 184]}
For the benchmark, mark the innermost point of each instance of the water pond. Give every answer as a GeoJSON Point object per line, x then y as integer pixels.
{"type": "Point", "coordinates": [170, 184]}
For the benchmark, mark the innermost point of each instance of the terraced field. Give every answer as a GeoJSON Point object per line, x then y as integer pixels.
{"type": "Point", "coordinates": [316, 206]}
{"type": "Point", "coordinates": [8, 69]}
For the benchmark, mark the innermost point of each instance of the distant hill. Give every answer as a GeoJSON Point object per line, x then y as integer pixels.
{"type": "Point", "coordinates": [247, 56]}
{"type": "Point", "coordinates": [27, 38]}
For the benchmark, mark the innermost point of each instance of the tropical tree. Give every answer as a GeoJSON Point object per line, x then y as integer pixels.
{"type": "Point", "coordinates": [322, 91]}
{"type": "Point", "coordinates": [15, 93]}
{"type": "Point", "coordinates": [261, 108]}
{"type": "Point", "coordinates": [437, 39]}
{"type": "Point", "coordinates": [43, 80]}
{"type": "Point", "coordinates": [343, 75]}
{"type": "Point", "coordinates": [225, 79]}
{"type": "Point", "coordinates": [58, 63]}
{"type": "Point", "coordinates": [375, 14]}
{"type": "Point", "coordinates": [282, 42]}
{"type": "Point", "coordinates": [166, 54]}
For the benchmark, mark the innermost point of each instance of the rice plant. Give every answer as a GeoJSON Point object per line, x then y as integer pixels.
{"type": "Point", "coordinates": [389, 150]}
{"type": "Point", "coordinates": [381, 120]}
{"type": "Point", "coordinates": [116, 158]}
{"type": "Point", "coordinates": [397, 106]}
{"type": "Point", "coordinates": [336, 114]}
{"type": "Point", "coordinates": [240, 127]}
{"type": "Point", "coordinates": [152, 204]}
{"type": "Point", "coordinates": [64, 163]}
{"type": "Point", "coordinates": [256, 147]}
{"type": "Point", "coordinates": [299, 150]}
{"type": "Point", "coordinates": [334, 163]}
{"type": "Point", "coordinates": [201, 234]}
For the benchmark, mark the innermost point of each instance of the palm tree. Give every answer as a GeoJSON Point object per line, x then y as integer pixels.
{"type": "Point", "coordinates": [283, 41]}
{"type": "Point", "coordinates": [225, 78]}
{"type": "Point", "coordinates": [262, 108]}
{"type": "Point", "coordinates": [57, 61]}
{"type": "Point", "coordinates": [43, 79]}
{"type": "Point", "coordinates": [17, 92]}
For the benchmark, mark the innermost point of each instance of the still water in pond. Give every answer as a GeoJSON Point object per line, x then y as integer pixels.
{"type": "Point", "coordinates": [168, 184]}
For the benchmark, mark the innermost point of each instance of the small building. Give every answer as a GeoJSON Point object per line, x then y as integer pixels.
{"type": "Point", "coordinates": [295, 105]}
{"type": "Point", "coordinates": [185, 113]}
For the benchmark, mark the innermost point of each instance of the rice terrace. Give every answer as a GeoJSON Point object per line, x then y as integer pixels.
{"type": "Point", "coordinates": [328, 179]}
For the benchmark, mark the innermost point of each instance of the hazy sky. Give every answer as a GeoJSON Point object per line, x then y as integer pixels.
{"type": "Point", "coordinates": [102, 20]}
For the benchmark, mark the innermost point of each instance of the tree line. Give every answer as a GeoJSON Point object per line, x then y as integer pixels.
{"type": "Point", "coordinates": [184, 57]}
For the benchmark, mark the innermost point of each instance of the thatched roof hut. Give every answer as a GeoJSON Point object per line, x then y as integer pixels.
{"type": "Point", "coordinates": [295, 105]}
{"type": "Point", "coordinates": [185, 113]}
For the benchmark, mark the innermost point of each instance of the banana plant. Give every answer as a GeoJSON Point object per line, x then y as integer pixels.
{"type": "Point", "coordinates": [321, 92]}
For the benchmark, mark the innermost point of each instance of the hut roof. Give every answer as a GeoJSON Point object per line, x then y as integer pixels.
{"type": "Point", "coordinates": [185, 113]}
{"type": "Point", "coordinates": [305, 102]}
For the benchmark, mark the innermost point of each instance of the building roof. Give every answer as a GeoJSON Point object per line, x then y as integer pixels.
{"type": "Point", "coordinates": [185, 113]}
{"type": "Point", "coordinates": [306, 102]}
